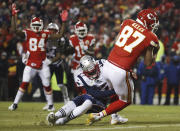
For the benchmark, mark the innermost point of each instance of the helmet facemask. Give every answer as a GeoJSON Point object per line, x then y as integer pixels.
{"type": "Point", "coordinates": [155, 26]}
{"type": "Point", "coordinates": [36, 25]}
{"type": "Point", "coordinates": [94, 73]}
{"type": "Point", "coordinates": [81, 30]}
{"type": "Point", "coordinates": [89, 67]}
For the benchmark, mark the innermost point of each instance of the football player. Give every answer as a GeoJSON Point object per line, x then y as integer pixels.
{"type": "Point", "coordinates": [55, 51]}
{"type": "Point", "coordinates": [95, 97]}
{"type": "Point", "coordinates": [134, 39]}
{"type": "Point", "coordinates": [83, 43]}
{"type": "Point", "coordinates": [35, 57]}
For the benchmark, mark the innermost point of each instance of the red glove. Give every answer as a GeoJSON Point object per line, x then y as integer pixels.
{"type": "Point", "coordinates": [64, 15]}
{"type": "Point", "coordinates": [14, 11]}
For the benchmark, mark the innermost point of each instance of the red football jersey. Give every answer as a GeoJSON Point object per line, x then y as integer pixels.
{"type": "Point", "coordinates": [130, 43]}
{"type": "Point", "coordinates": [80, 46]}
{"type": "Point", "coordinates": [36, 46]}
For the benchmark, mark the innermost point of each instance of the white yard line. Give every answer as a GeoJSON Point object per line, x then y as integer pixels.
{"type": "Point", "coordinates": [127, 127]}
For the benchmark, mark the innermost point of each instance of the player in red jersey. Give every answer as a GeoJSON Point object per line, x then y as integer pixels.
{"type": "Point", "coordinates": [35, 56]}
{"type": "Point", "coordinates": [83, 44]}
{"type": "Point", "coordinates": [134, 39]}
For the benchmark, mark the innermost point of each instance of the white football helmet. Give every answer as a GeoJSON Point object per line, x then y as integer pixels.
{"type": "Point", "coordinates": [53, 26]}
{"type": "Point", "coordinates": [36, 24]}
{"type": "Point", "coordinates": [80, 29]}
{"type": "Point", "coordinates": [149, 19]}
{"type": "Point", "coordinates": [90, 67]}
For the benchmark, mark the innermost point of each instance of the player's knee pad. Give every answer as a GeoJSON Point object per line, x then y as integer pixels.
{"type": "Point", "coordinates": [23, 86]}
{"type": "Point", "coordinates": [47, 89]}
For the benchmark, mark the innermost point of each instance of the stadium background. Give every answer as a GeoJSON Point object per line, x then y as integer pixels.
{"type": "Point", "coordinates": [103, 18]}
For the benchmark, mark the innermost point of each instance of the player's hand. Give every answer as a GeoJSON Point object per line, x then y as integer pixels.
{"type": "Point", "coordinates": [47, 62]}
{"type": "Point", "coordinates": [133, 74]}
{"type": "Point", "coordinates": [25, 57]}
{"type": "Point", "coordinates": [64, 15]}
{"type": "Point", "coordinates": [14, 10]}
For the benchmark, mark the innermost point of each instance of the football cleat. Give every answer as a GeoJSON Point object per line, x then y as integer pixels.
{"type": "Point", "coordinates": [93, 117]}
{"type": "Point", "coordinates": [51, 119]}
{"type": "Point", "coordinates": [48, 108]}
{"type": "Point", "coordinates": [62, 121]}
{"type": "Point", "coordinates": [13, 107]}
{"type": "Point", "coordinates": [118, 120]}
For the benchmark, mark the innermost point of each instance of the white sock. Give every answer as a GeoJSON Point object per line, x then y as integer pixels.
{"type": "Point", "coordinates": [113, 115]}
{"type": "Point", "coordinates": [102, 114]}
{"type": "Point", "coordinates": [81, 109]}
{"type": "Point", "coordinates": [65, 110]}
{"type": "Point", "coordinates": [64, 92]}
{"type": "Point", "coordinates": [18, 97]}
{"type": "Point", "coordinates": [49, 98]}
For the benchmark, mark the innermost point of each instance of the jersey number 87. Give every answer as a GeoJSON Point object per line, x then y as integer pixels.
{"type": "Point", "coordinates": [126, 33]}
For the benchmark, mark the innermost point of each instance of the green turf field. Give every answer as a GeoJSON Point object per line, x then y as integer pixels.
{"type": "Point", "coordinates": [31, 117]}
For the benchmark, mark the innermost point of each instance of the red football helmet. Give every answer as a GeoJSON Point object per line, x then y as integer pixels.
{"type": "Point", "coordinates": [81, 29]}
{"type": "Point", "coordinates": [149, 19]}
{"type": "Point", "coordinates": [36, 24]}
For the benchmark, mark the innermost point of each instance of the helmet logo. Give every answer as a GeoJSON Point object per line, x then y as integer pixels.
{"type": "Point", "coordinates": [151, 16]}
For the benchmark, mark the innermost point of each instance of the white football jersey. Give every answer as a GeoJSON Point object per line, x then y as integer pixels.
{"type": "Point", "coordinates": [82, 80]}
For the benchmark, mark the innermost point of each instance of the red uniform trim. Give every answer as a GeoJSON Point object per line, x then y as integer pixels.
{"type": "Point", "coordinates": [129, 89]}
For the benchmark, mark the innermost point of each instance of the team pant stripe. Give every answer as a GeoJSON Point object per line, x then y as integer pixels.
{"type": "Point", "coordinates": [71, 116]}
{"type": "Point", "coordinates": [62, 112]}
{"type": "Point", "coordinates": [129, 88]}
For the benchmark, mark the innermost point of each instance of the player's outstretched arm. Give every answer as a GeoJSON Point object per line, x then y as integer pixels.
{"type": "Point", "coordinates": [64, 16]}
{"type": "Point", "coordinates": [14, 12]}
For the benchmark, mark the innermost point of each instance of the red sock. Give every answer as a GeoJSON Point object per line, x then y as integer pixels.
{"type": "Point", "coordinates": [116, 106]}
{"type": "Point", "coordinates": [47, 89]}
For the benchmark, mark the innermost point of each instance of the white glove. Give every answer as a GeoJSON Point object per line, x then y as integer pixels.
{"type": "Point", "coordinates": [25, 57]}
{"type": "Point", "coordinates": [47, 62]}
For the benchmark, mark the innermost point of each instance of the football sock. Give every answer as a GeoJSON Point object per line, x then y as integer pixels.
{"type": "Point", "coordinates": [65, 110]}
{"type": "Point", "coordinates": [18, 97]}
{"type": "Point", "coordinates": [64, 92]}
{"type": "Point", "coordinates": [49, 98]}
{"type": "Point", "coordinates": [116, 106]}
{"type": "Point", "coordinates": [81, 109]}
{"type": "Point", "coordinates": [114, 115]}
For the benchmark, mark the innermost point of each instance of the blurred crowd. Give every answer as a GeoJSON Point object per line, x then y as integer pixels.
{"type": "Point", "coordinates": [103, 18]}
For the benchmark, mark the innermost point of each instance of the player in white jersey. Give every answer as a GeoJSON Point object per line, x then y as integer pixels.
{"type": "Point", "coordinates": [95, 99]}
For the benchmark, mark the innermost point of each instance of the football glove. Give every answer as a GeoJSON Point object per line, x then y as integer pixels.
{"type": "Point", "coordinates": [14, 11]}
{"type": "Point", "coordinates": [25, 57]}
{"type": "Point", "coordinates": [64, 15]}
{"type": "Point", "coordinates": [47, 62]}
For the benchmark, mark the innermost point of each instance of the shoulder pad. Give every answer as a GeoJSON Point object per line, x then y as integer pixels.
{"type": "Point", "coordinates": [91, 35]}
{"type": "Point", "coordinates": [72, 36]}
